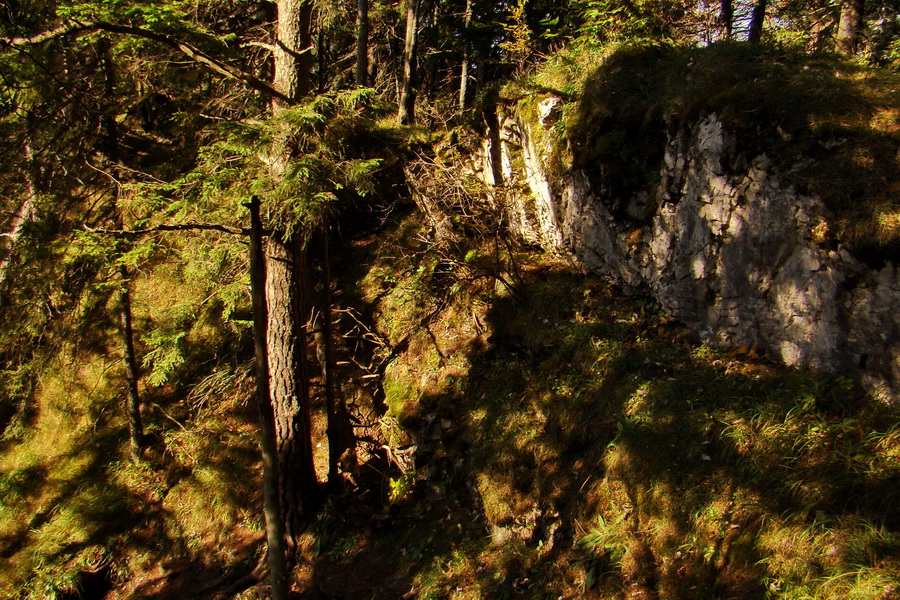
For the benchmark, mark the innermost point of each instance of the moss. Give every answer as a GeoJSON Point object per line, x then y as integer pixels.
{"type": "Point", "coordinates": [401, 392]}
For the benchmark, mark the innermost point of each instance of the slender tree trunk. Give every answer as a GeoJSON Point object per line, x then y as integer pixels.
{"type": "Point", "coordinates": [321, 54]}
{"type": "Point", "coordinates": [275, 533]}
{"type": "Point", "coordinates": [407, 113]}
{"type": "Point", "coordinates": [464, 68]}
{"type": "Point", "coordinates": [849, 26]}
{"type": "Point", "coordinates": [135, 423]}
{"type": "Point", "coordinates": [757, 19]}
{"type": "Point", "coordinates": [341, 441]}
{"type": "Point", "coordinates": [132, 371]}
{"type": "Point", "coordinates": [362, 42]}
{"type": "Point", "coordinates": [463, 81]}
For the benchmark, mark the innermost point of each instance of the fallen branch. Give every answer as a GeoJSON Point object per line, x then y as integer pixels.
{"type": "Point", "coordinates": [183, 227]}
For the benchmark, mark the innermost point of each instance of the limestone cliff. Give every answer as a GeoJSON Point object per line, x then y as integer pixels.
{"type": "Point", "coordinates": [722, 242]}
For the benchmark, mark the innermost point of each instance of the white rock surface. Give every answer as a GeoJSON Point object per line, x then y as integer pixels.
{"type": "Point", "coordinates": [732, 254]}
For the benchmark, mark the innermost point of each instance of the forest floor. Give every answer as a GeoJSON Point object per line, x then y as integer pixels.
{"type": "Point", "coordinates": [550, 438]}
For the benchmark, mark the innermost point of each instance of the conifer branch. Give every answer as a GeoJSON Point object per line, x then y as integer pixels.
{"type": "Point", "coordinates": [195, 54]}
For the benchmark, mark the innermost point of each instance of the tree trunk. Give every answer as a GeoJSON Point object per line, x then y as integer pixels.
{"type": "Point", "coordinates": [285, 261]}
{"type": "Point", "coordinates": [849, 26]}
{"type": "Point", "coordinates": [756, 21]}
{"type": "Point", "coordinates": [292, 50]}
{"type": "Point", "coordinates": [727, 18]}
{"type": "Point", "coordinates": [322, 82]}
{"type": "Point", "coordinates": [464, 68]}
{"type": "Point", "coordinates": [135, 423]}
{"type": "Point", "coordinates": [274, 523]}
{"type": "Point", "coordinates": [362, 42]}
{"type": "Point", "coordinates": [289, 390]}
{"type": "Point", "coordinates": [822, 23]}
{"type": "Point", "coordinates": [407, 113]}
{"type": "Point", "coordinates": [132, 372]}
{"type": "Point", "coordinates": [341, 440]}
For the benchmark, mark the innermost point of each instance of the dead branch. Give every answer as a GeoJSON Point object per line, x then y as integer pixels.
{"type": "Point", "coordinates": [182, 227]}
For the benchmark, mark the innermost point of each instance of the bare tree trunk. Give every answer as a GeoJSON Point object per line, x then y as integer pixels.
{"type": "Point", "coordinates": [849, 26]}
{"type": "Point", "coordinates": [757, 19]}
{"type": "Point", "coordinates": [321, 54]}
{"type": "Point", "coordinates": [407, 112]}
{"type": "Point", "coordinates": [275, 534]}
{"type": "Point", "coordinates": [341, 440]}
{"type": "Point", "coordinates": [135, 423]}
{"type": "Point", "coordinates": [464, 68]}
{"type": "Point", "coordinates": [362, 42]}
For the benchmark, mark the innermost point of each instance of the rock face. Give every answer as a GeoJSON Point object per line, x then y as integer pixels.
{"type": "Point", "coordinates": [721, 243]}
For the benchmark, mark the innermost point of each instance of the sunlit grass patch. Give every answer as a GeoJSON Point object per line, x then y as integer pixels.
{"type": "Point", "coordinates": [71, 500]}
{"type": "Point", "coordinates": [685, 467]}
{"type": "Point", "coordinates": [203, 508]}
{"type": "Point", "coordinates": [840, 559]}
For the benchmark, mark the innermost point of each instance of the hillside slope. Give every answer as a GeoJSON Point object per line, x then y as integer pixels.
{"type": "Point", "coordinates": [525, 430]}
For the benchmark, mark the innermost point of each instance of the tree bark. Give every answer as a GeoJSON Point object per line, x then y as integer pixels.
{"type": "Point", "coordinates": [822, 24]}
{"type": "Point", "coordinates": [275, 532]}
{"type": "Point", "coordinates": [362, 42]}
{"type": "Point", "coordinates": [757, 19]}
{"type": "Point", "coordinates": [292, 54]}
{"type": "Point", "coordinates": [849, 26]}
{"type": "Point", "coordinates": [135, 423]}
{"type": "Point", "coordinates": [407, 112]}
{"type": "Point", "coordinates": [727, 18]}
{"type": "Point", "coordinates": [289, 389]}
{"type": "Point", "coordinates": [285, 270]}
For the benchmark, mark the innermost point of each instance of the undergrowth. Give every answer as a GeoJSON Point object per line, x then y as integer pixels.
{"type": "Point", "coordinates": [541, 435]}
{"type": "Point", "coordinates": [548, 437]}
{"type": "Point", "coordinates": [77, 517]}
{"type": "Point", "coordinates": [571, 442]}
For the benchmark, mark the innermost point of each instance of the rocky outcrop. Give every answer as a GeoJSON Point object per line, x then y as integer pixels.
{"type": "Point", "coordinates": [722, 243]}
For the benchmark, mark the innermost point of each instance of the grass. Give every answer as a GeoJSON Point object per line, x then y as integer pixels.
{"type": "Point", "coordinates": [568, 442]}
{"type": "Point", "coordinates": [76, 515]}
{"type": "Point", "coordinates": [610, 454]}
